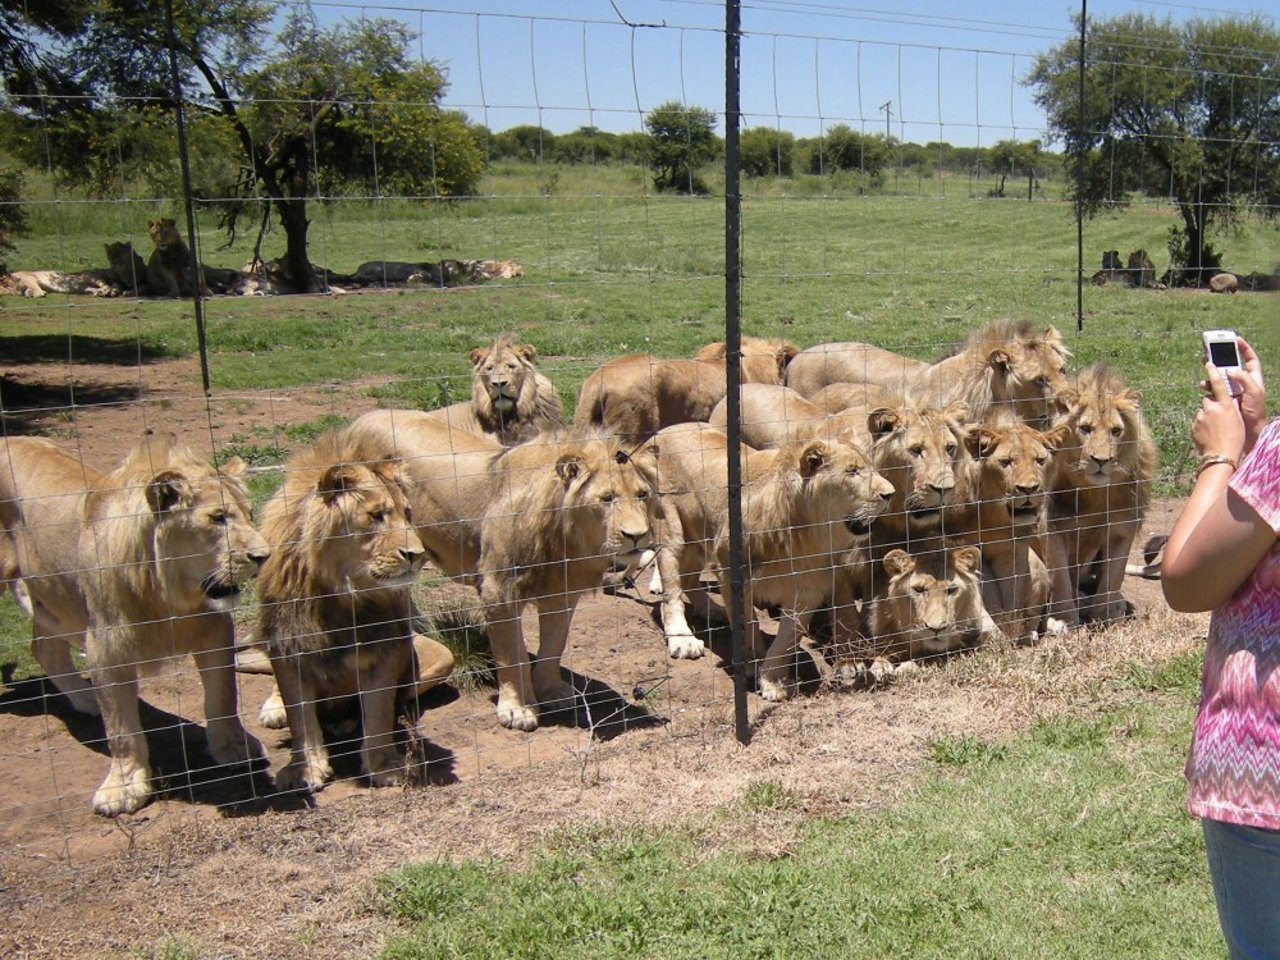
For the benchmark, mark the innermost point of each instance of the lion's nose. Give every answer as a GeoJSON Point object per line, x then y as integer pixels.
{"type": "Point", "coordinates": [259, 556]}
{"type": "Point", "coordinates": [1100, 461]}
{"type": "Point", "coordinates": [1026, 489]}
{"type": "Point", "coordinates": [412, 554]}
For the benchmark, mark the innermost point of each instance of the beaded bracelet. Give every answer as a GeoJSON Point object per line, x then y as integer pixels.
{"type": "Point", "coordinates": [1212, 460]}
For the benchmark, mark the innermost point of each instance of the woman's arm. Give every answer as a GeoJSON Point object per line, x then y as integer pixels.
{"type": "Point", "coordinates": [1218, 538]}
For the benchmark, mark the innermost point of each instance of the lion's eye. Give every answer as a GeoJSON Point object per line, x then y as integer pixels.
{"type": "Point", "coordinates": [219, 517]}
{"type": "Point", "coordinates": [1042, 460]}
{"type": "Point", "coordinates": [855, 471]}
{"type": "Point", "coordinates": [608, 498]}
{"type": "Point", "coordinates": [951, 449]}
{"type": "Point", "coordinates": [1117, 431]}
{"type": "Point", "coordinates": [1085, 429]}
{"type": "Point", "coordinates": [1006, 462]}
{"type": "Point", "coordinates": [917, 451]}
{"type": "Point", "coordinates": [952, 590]}
{"type": "Point", "coordinates": [642, 495]}
{"type": "Point", "coordinates": [378, 516]}
{"type": "Point", "coordinates": [920, 588]}
{"type": "Point", "coordinates": [1062, 371]}
{"type": "Point", "coordinates": [1042, 382]}
{"type": "Point", "coordinates": [408, 515]}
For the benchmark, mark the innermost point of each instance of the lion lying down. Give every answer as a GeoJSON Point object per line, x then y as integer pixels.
{"type": "Point", "coordinates": [137, 565]}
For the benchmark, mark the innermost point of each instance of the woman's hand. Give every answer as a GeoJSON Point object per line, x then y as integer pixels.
{"type": "Point", "coordinates": [1253, 395]}
{"type": "Point", "coordinates": [1219, 429]}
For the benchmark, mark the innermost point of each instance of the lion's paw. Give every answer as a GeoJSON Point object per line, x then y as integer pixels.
{"type": "Point", "coordinates": [517, 716]}
{"type": "Point", "coordinates": [230, 744]}
{"type": "Point", "coordinates": [384, 767]}
{"type": "Point", "coordinates": [685, 646]}
{"type": "Point", "coordinates": [776, 689]}
{"type": "Point", "coordinates": [556, 695]}
{"type": "Point", "coordinates": [309, 775]}
{"type": "Point", "coordinates": [1054, 627]}
{"type": "Point", "coordinates": [122, 792]}
{"type": "Point", "coordinates": [272, 714]}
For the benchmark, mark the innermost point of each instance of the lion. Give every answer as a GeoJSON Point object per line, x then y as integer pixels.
{"type": "Point", "coordinates": [39, 283]}
{"type": "Point", "coordinates": [335, 608]}
{"type": "Point", "coordinates": [773, 415]}
{"type": "Point", "coordinates": [808, 507]}
{"type": "Point", "coordinates": [137, 565]}
{"type": "Point", "coordinates": [1014, 466]}
{"type": "Point", "coordinates": [931, 604]}
{"type": "Point", "coordinates": [128, 269]}
{"type": "Point", "coordinates": [1140, 270]}
{"type": "Point", "coordinates": [510, 399]}
{"type": "Point", "coordinates": [494, 269]}
{"type": "Point", "coordinates": [634, 397]}
{"type": "Point", "coordinates": [537, 522]}
{"type": "Point", "coordinates": [1008, 362]}
{"type": "Point", "coordinates": [171, 267]}
{"type": "Point", "coordinates": [1099, 493]}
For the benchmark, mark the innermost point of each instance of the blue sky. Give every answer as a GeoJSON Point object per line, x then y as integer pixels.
{"type": "Point", "coordinates": [950, 69]}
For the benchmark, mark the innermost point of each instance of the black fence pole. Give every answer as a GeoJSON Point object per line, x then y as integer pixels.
{"type": "Point", "coordinates": [1080, 157]}
{"type": "Point", "coordinates": [195, 274]}
{"type": "Point", "coordinates": [733, 357]}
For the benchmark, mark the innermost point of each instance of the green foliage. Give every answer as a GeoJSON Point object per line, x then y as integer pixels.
{"type": "Point", "coordinates": [1189, 110]}
{"type": "Point", "coordinates": [843, 148]}
{"type": "Point", "coordinates": [524, 142]}
{"type": "Point", "coordinates": [1066, 849]}
{"type": "Point", "coordinates": [766, 152]}
{"type": "Point", "coordinates": [13, 215]}
{"type": "Point", "coordinates": [1011, 158]}
{"type": "Point", "coordinates": [966, 750]}
{"type": "Point", "coordinates": [682, 140]}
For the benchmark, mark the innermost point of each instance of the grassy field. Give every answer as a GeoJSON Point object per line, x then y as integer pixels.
{"type": "Point", "coordinates": [1066, 842]}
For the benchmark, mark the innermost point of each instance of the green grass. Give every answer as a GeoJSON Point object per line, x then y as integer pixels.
{"type": "Point", "coordinates": [1067, 842]}
{"type": "Point", "coordinates": [16, 661]}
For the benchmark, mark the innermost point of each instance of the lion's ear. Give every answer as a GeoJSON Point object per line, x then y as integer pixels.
{"type": "Point", "coordinates": [712, 351]}
{"type": "Point", "coordinates": [1130, 395]}
{"type": "Point", "coordinates": [898, 562]}
{"type": "Point", "coordinates": [957, 413]}
{"type": "Point", "coordinates": [999, 359]}
{"type": "Point", "coordinates": [1055, 438]}
{"type": "Point", "coordinates": [167, 489]}
{"type": "Point", "coordinates": [981, 441]}
{"type": "Point", "coordinates": [814, 457]}
{"type": "Point", "coordinates": [1066, 400]}
{"type": "Point", "coordinates": [570, 465]}
{"type": "Point", "coordinates": [477, 356]}
{"type": "Point", "coordinates": [235, 467]}
{"type": "Point", "coordinates": [967, 559]}
{"type": "Point", "coordinates": [152, 224]}
{"type": "Point", "coordinates": [1052, 335]}
{"type": "Point", "coordinates": [526, 350]}
{"type": "Point", "coordinates": [882, 421]}
{"type": "Point", "coordinates": [339, 479]}
{"type": "Point", "coordinates": [786, 353]}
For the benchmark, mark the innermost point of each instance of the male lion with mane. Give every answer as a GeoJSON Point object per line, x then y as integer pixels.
{"type": "Point", "coordinates": [510, 399]}
{"type": "Point", "coordinates": [634, 397]}
{"type": "Point", "coordinates": [335, 607]}
{"type": "Point", "coordinates": [139, 564]}
{"type": "Point", "coordinates": [1100, 492]}
{"type": "Point", "coordinates": [171, 267]}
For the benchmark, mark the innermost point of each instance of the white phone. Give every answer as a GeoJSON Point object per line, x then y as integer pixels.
{"type": "Point", "coordinates": [1224, 353]}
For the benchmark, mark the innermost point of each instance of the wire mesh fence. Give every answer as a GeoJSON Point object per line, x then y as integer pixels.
{"type": "Point", "coordinates": [461, 276]}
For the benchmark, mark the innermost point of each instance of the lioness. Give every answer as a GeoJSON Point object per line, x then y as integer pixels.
{"type": "Point", "coordinates": [539, 522]}
{"type": "Point", "coordinates": [128, 269]}
{"type": "Point", "coordinates": [931, 604]}
{"type": "Point", "coordinates": [38, 283]}
{"type": "Point", "coordinates": [1008, 362]}
{"type": "Point", "coordinates": [635, 396]}
{"type": "Point", "coordinates": [335, 607]}
{"type": "Point", "coordinates": [510, 400]}
{"type": "Point", "coordinates": [1014, 464]}
{"type": "Point", "coordinates": [1100, 491]}
{"type": "Point", "coordinates": [806, 508]}
{"type": "Point", "coordinates": [138, 564]}
{"type": "Point", "coordinates": [171, 268]}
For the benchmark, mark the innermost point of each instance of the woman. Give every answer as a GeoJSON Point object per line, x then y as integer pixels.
{"type": "Point", "coordinates": [1223, 556]}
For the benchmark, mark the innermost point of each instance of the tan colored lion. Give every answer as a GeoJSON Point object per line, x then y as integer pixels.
{"type": "Point", "coordinates": [38, 283]}
{"type": "Point", "coordinates": [930, 605]}
{"type": "Point", "coordinates": [539, 523]}
{"type": "Point", "coordinates": [139, 564]}
{"type": "Point", "coordinates": [170, 269]}
{"type": "Point", "coordinates": [335, 609]}
{"type": "Point", "coordinates": [1008, 362]}
{"type": "Point", "coordinates": [807, 509]}
{"type": "Point", "coordinates": [1014, 466]}
{"type": "Point", "coordinates": [1100, 491]}
{"type": "Point", "coordinates": [635, 396]}
{"type": "Point", "coordinates": [510, 399]}
{"type": "Point", "coordinates": [128, 269]}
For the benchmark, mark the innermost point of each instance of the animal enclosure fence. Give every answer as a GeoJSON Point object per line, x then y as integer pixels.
{"type": "Point", "coordinates": [874, 177]}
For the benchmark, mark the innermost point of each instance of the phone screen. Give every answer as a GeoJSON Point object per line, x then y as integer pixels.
{"type": "Point", "coordinates": [1223, 353]}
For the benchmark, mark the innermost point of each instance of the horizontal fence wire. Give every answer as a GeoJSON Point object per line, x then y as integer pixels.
{"type": "Point", "coordinates": [514, 283]}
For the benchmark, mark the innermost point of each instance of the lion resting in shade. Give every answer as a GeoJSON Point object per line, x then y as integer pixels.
{"type": "Point", "coordinates": [510, 400]}
{"type": "Point", "coordinates": [137, 565]}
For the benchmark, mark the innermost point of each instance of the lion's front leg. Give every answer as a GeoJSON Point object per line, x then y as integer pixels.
{"type": "Point", "coordinates": [308, 767]}
{"type": "Point", "coordinates": [682, 642]}
{"type": "Point", "coordinates": [127, 787]}
{"type": "Point", "coordinates": [1108, 604]}
{"type": "Point", "coordinates": [380, 678]}
{"type": "Point", "coordinates": [555, 615]}
{"type": "Point", "coordinates": [777, 681]}
{"type": "Point", "coordinates": [1062, 595]}
{"type": "Point", "coordinates": [51, 646]}
{"type": "Point", "coordinates": [229, 742]}
{"type": "Point", "coordinates": [516, 697]}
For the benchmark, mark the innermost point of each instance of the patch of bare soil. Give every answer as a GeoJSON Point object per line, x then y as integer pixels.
{"type": "Point", "coordinates": [221, 861]}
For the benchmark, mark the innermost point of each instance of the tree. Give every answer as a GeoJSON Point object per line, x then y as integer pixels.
{"type": "Point", "coordinates": [766, 152]}
{"type": "Point", "coordinates": [305, 110]}
{"type": "Point", "coordinates": [525, 142]}
{"type": "Point", "coordinates": [683, 140]}
{"type": "Point", "coordinates": [1010, 158]}
{"type": "Point", "coordinates": [843, 148]}
{"type": "Point", "coordinates": [1190, 110]}
{"type": "Point", "coordinates": [586, 145]}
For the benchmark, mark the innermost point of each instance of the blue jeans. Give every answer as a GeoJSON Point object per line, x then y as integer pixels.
{"type": "Point", "coordinates": [1245, 865]}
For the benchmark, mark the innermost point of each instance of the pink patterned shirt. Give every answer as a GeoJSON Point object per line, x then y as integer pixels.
{"type": "Point", "coordinates": [1233, 770]}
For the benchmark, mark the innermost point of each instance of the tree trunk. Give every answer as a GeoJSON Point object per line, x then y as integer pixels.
{"type": "Point", "coordinates": [1200, 265]}
{"type": "Point", "coordinates": [293, 217]}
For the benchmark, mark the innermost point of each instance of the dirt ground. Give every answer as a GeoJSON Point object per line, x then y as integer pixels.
{"type": "Point", "coordinates": [223, 863]}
